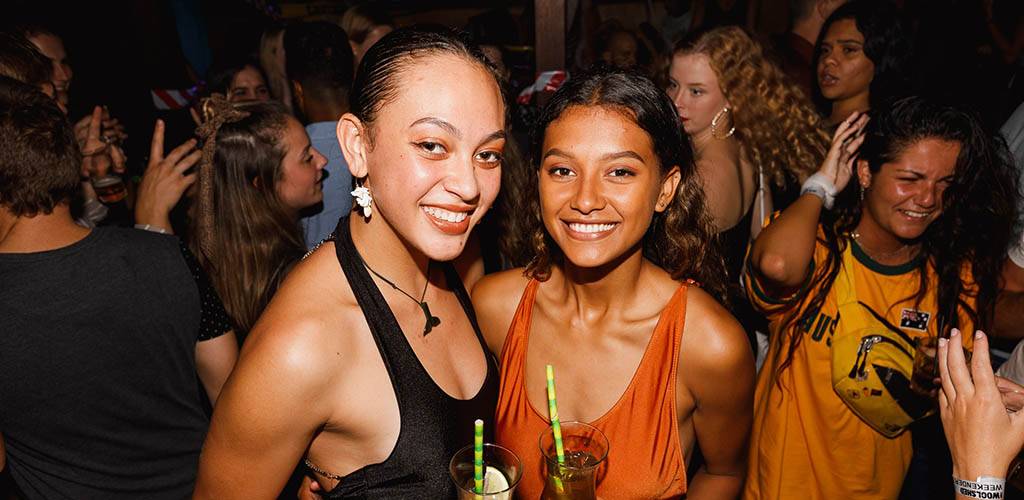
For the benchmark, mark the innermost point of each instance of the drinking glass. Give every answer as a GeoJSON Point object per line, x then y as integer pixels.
{"type": "Point", "coordinates": [502, 471]}
{"type": "Point", "coordinates": [585, 448]}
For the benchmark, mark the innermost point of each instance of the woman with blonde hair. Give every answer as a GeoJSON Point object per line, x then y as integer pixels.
{"type": "Point", "coordinates": [755, 136]}
{"type": "Point", "coordinates": [753, 133]}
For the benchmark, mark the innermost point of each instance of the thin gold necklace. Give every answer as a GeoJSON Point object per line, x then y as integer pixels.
{"type": "Point", "coordinates": [877, 255]}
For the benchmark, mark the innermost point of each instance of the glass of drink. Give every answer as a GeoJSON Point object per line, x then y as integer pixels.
{"type": "Point", "coordinates": [109, 188]}
{"type": "Point", "coordinates": [502, 471]}
{"type": "Point", "coordinates": [585, 448]}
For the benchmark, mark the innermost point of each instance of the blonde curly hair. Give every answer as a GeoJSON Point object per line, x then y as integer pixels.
{"type": "Point", "coordinates": [775, 123]}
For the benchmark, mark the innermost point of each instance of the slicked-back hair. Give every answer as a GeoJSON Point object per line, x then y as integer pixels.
{"type": "Point", "coordinates": [320, 58]}
{"type": "Point", "coordinates": [39, 158]}
{"type": "Point", "coordinates": [680, 239]}
{"type": "Point", "coordinates": [380, 71]}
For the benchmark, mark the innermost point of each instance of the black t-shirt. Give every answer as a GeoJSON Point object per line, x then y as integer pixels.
{"type": "Point", "coordinates": [98, 393]}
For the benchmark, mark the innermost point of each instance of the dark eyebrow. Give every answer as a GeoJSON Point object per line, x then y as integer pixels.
{"type": "Point", "coordinates": [556, 152]}
{"type": "Point", "coordinates": [448, 127]}
{"type": "Point", "coordinates": [850, 40]}
{"type": "Point", "coordinates": [305, 150]}
{"type": "Point", "coordinates": [622, 154]}
{"type": "Point", "coordinates": [500, 134]}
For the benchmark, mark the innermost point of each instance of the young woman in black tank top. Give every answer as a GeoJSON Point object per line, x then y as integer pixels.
{"type": "Point", "coordinates": [368, 366]}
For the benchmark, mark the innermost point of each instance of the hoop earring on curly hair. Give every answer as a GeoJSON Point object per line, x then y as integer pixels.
{"type": "Point", "coordinates": [714, 124]}
{"type": "Point", "coordinates": [363, 198]}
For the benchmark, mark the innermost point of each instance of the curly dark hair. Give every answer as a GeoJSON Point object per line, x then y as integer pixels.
{"type": "Point", "coordinates": [975, 228]}
{"type": "Point", "coordinates": [886, 44]}
{"type": "Point", "coordinates": [681, 239]}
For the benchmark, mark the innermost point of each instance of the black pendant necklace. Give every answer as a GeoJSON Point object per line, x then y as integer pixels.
{"type": "Point", "coordinates": [431, 320]}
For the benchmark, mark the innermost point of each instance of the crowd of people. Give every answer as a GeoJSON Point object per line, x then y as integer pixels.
{"type": "Point", "coordinates": [761, 268]}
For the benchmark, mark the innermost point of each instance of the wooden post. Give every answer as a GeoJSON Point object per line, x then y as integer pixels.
{"type": "Point", "coordinates": [549, 22]}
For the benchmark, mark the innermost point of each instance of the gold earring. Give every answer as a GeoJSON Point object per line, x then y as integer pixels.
{"type": "Point", "coordinates": [714, 124]}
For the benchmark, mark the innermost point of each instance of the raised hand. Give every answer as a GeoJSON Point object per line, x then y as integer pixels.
{"type": "Point", "coordinates": [838, 164]}
{"type": "Point", "coordinates": [165, 180]}
{"type": "Point", "coordinates": [983, 434]}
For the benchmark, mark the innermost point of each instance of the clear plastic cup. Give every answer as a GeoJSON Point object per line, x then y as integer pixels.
{"type": "Point", "coordinates": [585, 448]}
{"type": "Point", "coordinates": [502, 471]}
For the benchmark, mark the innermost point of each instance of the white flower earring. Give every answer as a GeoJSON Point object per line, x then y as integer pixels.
{"type": "Point", "coordinates": [363, 199]}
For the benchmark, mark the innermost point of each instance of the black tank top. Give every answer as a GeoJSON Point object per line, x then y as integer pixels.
{"type": "Point", "coordinates": [433, 424]}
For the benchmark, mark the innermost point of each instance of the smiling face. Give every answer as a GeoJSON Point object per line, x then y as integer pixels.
{"type": "Point", "coordinates": [52, 47]}
{"type": "Point", "coordinates": [600, 185]}
{"type": "Point", "coordinates": [248, 85]}
{"type": "Point", "coordinates": [844, 71]}
{"type": "Point", "coordinates": [301, 169]}
{"type": "Point", "coordinates": [693, 87]}
{"type": "Point", "coordinates": [434, 167]}
{"type": "Point", "coordinates": [905, 196]}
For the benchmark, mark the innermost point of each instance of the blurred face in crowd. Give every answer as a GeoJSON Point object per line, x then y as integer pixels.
{"type": "Point", "coordinates": [600, 184]}
{"type": "Point", "coordinates": [52, 47]}
{"type": "Point", "coordinates": [693, 87]}
{"type": "Point", "coordinates": [248, 85]}
{"type": "Point", "coordinates": [905, 196]}
{"type": "Point", "coordinates": [434, 165]}
{"type": "Point", "coordinates": [844, 71]}
{"type": "Point", "coordinates": [378, 32]}
{"type": "Point", "coordinates": [621, 51]}
{"type": "Point", "coordinates": [301, 169]}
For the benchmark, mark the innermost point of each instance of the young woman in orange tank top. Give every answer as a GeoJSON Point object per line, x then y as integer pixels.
{"type": "Point", "coordinates": [620, 231]}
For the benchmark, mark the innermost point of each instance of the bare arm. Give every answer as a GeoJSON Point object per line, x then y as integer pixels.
{"type": "Point", "coordinates": [1008, 320]}
{"type": "Point", "coordinates": [720, 376]}
{"type": "Point", "coordinates": [782, 252]}
{"type": "Point", "coordinates": [273, 403]}
{"type": "Point", "coordinates": [214, 360]}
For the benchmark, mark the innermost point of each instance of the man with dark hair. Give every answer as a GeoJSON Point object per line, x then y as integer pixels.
{"type": "Point", "coordinates": [795, 48]}
{"type": "Point", "coordinates": [319, 66]}
{"type": "Point", "coordinates": [104, 331]}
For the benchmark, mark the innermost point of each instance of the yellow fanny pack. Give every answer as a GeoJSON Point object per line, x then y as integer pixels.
{"type": "Point", "coordinates": [872, 362]}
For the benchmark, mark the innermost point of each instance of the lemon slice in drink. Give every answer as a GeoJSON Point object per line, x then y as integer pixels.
{"type": "Point", "coordinates": [495, 480]}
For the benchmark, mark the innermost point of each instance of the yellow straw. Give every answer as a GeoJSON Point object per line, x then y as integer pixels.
{"type": "Point", "coordinates": [556, 426]}
{"type": "Point", "coordinates": [478, 455]}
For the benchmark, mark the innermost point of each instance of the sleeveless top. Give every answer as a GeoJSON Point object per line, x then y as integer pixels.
{"type": "Point", "coordinates": [434, 425]}
{"type": "Point", "coordinates": [645, 460]}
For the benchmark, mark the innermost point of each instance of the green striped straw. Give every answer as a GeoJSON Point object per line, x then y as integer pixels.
{"type": "Point", "coordinates": [556, 426]}
{"type": "Point", "coordinates": [478, 455]}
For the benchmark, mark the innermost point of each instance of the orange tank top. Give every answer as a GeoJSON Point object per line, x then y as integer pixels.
{"type": "Point", "coordinates": [645, 460]}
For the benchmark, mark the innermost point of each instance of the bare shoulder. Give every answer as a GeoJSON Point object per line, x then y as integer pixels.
{"type": "Point", "coordinates": [305, 328]}
{"type": "Point", "coordinates": [495, 299]}
{"type": "Point", "coordinates": [712, 338]}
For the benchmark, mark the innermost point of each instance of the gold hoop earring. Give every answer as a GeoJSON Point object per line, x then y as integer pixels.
{"type": "Point", "coordinates": [714, 125]}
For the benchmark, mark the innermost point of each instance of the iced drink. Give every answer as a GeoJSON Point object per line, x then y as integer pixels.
{"type": "Point", "coordinates": [502, 471]}
{"type": "Point", "coordinates": [585, 447]}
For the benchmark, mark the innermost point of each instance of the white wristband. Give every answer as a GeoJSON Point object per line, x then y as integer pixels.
{"type": "Point", "coordinates": [821, 186]}
{"type": "Point", "coordinates": [153, 229]}
{"type": "Point", "coordinates": [983, 487]}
